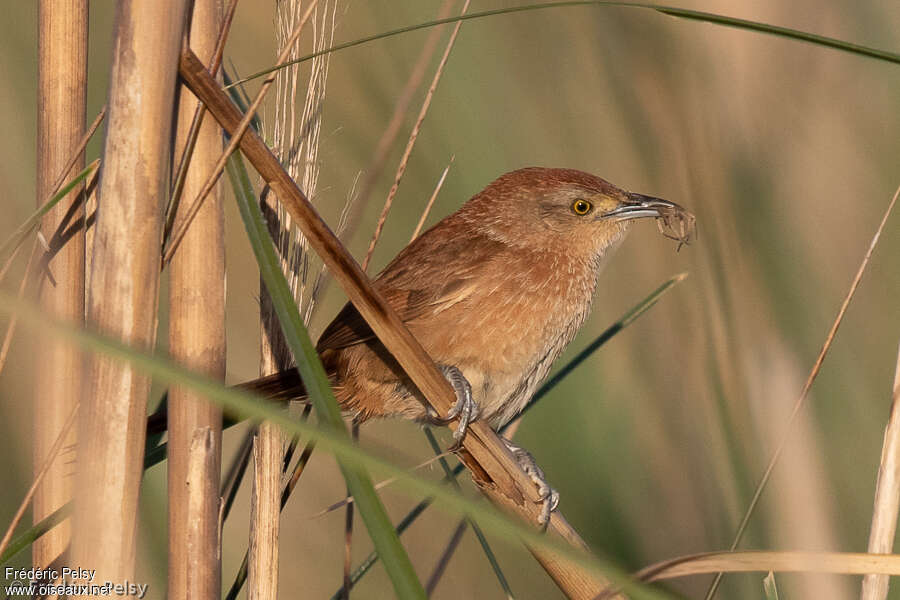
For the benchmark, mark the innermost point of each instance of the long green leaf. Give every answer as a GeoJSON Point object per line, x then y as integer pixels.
{"type": "Point", "coordinates": [27, 537]}
{"type": "Point", "coordinates": [674, 11]}
{"type": "Point", "coordinates": [384, 536]}
{"type": "Point", "coordinates": [248, 406]}
{"type": "Point", "coordinates": [35, 219]}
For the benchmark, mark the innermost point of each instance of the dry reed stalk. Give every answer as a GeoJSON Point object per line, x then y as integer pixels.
{"type": "Point", "coordinates": [124, 283]}
{"type": "Point", "coordinates": [411, 142]}
{"type": "Point", "coordinates": [887, 496]}
{"type": "Point", "coordinates": [197, 340]}
{"type": "Point", "coordinates": [268, 443]}
{"type": "Point", "coordinates": [62, 97]}
{"type": "Point", "coordinates": [840, 563]}
{"type": "Point", "coordinates": [262, 574]}
{"type": "Point", "coordinates": [492, 465]}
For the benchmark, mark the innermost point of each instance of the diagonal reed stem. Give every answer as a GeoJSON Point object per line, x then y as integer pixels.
{"type": "Point", "coordinates": [801, 400]}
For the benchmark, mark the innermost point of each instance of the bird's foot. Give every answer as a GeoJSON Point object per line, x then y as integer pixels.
{"type": "Point", "coordinates": [466, 409]}
{"type": "Point", "coordinates": [549, 497]}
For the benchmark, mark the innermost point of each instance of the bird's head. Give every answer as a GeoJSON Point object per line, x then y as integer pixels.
{"type": "Point", "coordinates": [568, 211]}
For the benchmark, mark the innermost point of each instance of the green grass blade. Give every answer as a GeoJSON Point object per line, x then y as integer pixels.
{"type": "Point", "coordinates": [683, 13]}
{"type": "Point", "coordinates": [384, 537]}
{"type": "Point", "coordinates": [35, 219]}
{"type": "Point", "coordinates": [794, 34]}
{"type": "Point", "coordinates": [247, 406]}
{"type": "Point", "coordinates": [28, 537]}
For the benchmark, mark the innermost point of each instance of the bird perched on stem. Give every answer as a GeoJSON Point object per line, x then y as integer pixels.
{"type": "Point", "coordinates": [494, 293]}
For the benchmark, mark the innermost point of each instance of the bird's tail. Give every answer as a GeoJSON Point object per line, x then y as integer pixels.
{"type": "Point", "coordinates": [282, 388]}
{"type": "Point", "coordinates": [285, 386]}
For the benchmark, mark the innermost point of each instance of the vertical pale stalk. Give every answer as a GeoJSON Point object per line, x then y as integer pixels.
{"type": "Point", "coordinates": [262, 574]}
{"type": "Point", "coordinates": [124, 282]}
{"type": "Point", "coordinates": [62, 93]}
{"type": "Point", "coordinates": [887, 497]}
{"type": "Point", "coordinates": [268, 443]}
{"type": "Point", "coordinates": [268, 447]}
{"type": "Point", "coordinates": [197, 340]}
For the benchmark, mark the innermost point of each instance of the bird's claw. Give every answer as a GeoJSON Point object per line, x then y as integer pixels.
{"type": "Point", "coordinates": [466, 409]}
{"type": "Point", "coordinates": [548, 497]}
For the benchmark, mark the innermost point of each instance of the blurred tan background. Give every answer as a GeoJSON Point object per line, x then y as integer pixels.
{"type": "Point", "coordinates": [788, 155]}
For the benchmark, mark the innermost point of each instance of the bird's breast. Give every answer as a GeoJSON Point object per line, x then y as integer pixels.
{"type": "Point", "coordinates": [507, 331]}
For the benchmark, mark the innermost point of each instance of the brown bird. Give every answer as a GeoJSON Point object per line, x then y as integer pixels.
{"type": "Point", "coordinates": [494, 293]}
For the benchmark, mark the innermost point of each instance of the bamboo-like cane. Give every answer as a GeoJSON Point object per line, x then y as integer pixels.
{"type": "Point", "coordinates": [197, 340]}
{"type": "Point", "coordinates": [62, 95]}
{"type": "Point", "coordinates": [124, 283]}
{"type": "Point", "coordinates": [492, 465]}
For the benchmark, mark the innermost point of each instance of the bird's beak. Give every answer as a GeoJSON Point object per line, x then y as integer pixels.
{"type": "Point", "coordinates": [637, 206]}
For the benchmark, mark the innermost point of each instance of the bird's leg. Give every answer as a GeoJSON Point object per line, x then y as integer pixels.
{"type": "Point", "coordinates": [465, 408]}
{"type": "Point", "coordinates": [549, 496]}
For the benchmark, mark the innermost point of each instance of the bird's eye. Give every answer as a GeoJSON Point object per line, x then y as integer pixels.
{"type": "Point", "coordinates": [581, 207]}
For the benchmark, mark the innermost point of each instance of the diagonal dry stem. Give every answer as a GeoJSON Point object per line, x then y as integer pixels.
{"type": "Point", "coordinates": [410, 144]}
{"type": "Point", "coordinates": [236, 137]}
{"type": "Point", "coordinates": [386, 141]}
{"type": "Point", "coordinates": [48, 462]}
{"type": "Point", "coordinates": [801, 400]}
{"type": "Point", "coordinates": [434, 195]}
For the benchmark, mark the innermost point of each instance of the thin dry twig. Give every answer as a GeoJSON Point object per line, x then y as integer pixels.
{"type": "Point", "coordinates": [78, 151]}
{"type": "Point", "coordinates": [413, 136]}
{"type": "Point", "coordinates": [887, 496]}
{"type": "Point", "coordinates": [298, 471]}
{"type": "Point", "coordinates": [235, 141]}
{"type": "Point", "coordinates": [434, 195]}
{"type": "Point", "coordinates": [386, 141]}
{"type": "Point", "coordinates": [9, 262]}
{"type": "Point", "coordinates": [798, 405]}
{"type": "Point", "coordinates": [48, 462]}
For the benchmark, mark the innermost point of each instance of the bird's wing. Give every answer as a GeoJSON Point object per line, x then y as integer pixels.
{"type": "Point", "coordinates": [427, 277]}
